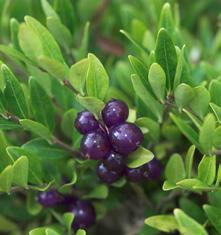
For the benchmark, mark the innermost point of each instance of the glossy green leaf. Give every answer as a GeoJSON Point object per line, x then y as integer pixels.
{"type": "Point", "coordinates": [166, 56]}
{"type": "Point", "coordinates": [38, 231]}
{"type": "Point", "coordinates": [191, 184]}
{"type": "Point", "coordinates": [157, 80]}
{"type": "Point", "coordinates": [97, 80]}
{"type": "Point", "coordinates": [165, 223]}
{"type": "Point", "coordinates": [99, 192]}
{"type": "Point", "coordinates": [206, 133]}
{"type": "Point", "coordinates": [140, 157]}
{"type": "Point", "coordinates": [14, 95]}
{"type": "Point", "coordinates": [37, 128]}
{"type": "Point", "coordinates": [189, 160]}
{"type": "Point", "coordinates": [175, 170]}
{"type": "Point", "coordinates": [14, 29]}
{"type": "Point", "coordinates": [146, 97]}
{"type": "Point", "coordinates": [6, 177]}
{"type": "Point", "coordinates": [207, 169]}
{"type": "Point", "coordinates": [187, 225]}
{"type": "Point", "coordinates": [78, 74]}
{"type": "Point", "coordinates": [214, 215]}
{"type": "Point", "coordinates": [49, 231]}
{"type": "Point", "coordinates": [41, 104]}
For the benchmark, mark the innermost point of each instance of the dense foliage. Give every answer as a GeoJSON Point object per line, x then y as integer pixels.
{"type": "Point", "coordinates": [157, 63]}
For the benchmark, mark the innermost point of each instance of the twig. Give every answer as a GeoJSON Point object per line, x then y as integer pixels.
{"type": "Point", "coordinates": [68, 85]}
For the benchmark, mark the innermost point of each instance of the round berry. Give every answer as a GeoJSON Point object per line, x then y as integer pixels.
{"type": "Point", "coordinates": [95, 145]}
{"type": "Point", "coordinates": [107, 176]}
{"type": "Point", "coordinates": [115, 112]}
{"type": "Point", "coordinates": [49, 198]}
{"type": "Point", "coordinates": [125, 138]}
{"type": "Point", "coordinates": [86, 122]}
{"type": "Point", "coordinates": [115, 162]}
{"type": "Point", "coordinates": [155, 169]}
{"type": "Point", "coordinates": [84, 214]}
{"type": "Point", "coordinates": [137, 174]}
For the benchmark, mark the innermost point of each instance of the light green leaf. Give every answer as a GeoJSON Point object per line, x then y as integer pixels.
{"type": "Point", "coordinates": [166, 56]}
{"type": "Point", "coordinates": [41, 104]}
{"type": "Point", "coordinates": [175, 170]}
{"type": "Point", "coordinates": [157, 80]}
{"type": "Point", "coordinates": [14, 95]}
{"type": "Point", "coordinates": [38, 231]}
{"type": "Point", "coordinates": [37, 128]}
{"type": "Point", "coordinates": [32, 205]}
{"type": "Point", "coordinates": [14, 28]}
{"type": "Point", "coordinates": [97, 80]}
{"type": "Point", "coordinates": [20, 171]}
{"type": "Point", "coordinates": [214, 215]}
{"type": "Point", "coordinates": [48, 10]}
{"type": "Point", "coordinates": [169, 186]}
{"type": "Point", "coordinates": [207, 169]}
{"type": "Point", "coordinates": [191, 184]}
{"type": "Point", "coordinates": [139, 157]}
{"type": "Point", "coordinates": [216, 110]}
{"type": "Point", "coordinates": [216, 138]}
{"type": "Point", "coordinates": [67, 122]}
{"type": "Point", "coordinates": [206, 133]}
{"type": "Point", "coordinates": [6, 225]}
{"type": "Point", "coordinates": [6, 177]}
{"type": "Point", "coordinates": [49, 231]}
{"type": "Point", "coordinates": [81, 232]}
{"type": "Point", "coordinates": [165, 223]}
{"type": "Point", "coordinates": [189, 160]}
{"type": "Point", "coordinates": [92, 104]}
{"type": "Point", "coordinates": [68, 220]}
{"type": "Point", "coordinates": [183, 95]}
{"type": "Point", "coordinates": [77, 75]}
{"type": "Point", "coordinates": [215, 91]}
{"type": "Point", "coordinates": [99, 192]}
{"type": "Point", "coordinates": [146, 97]}
{"type": "Point", "coordinates": [188, 226]}
{"type": "Point", "coordinates": [196, 121]}
{"type": "Point", "coordinates": [8, 125]}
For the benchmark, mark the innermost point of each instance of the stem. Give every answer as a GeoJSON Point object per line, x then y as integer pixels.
{"type": "Point", "coordinates": [68, 85]}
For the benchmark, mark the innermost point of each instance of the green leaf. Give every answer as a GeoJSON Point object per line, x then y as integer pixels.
{"type": "Point", "coordinates": [165, 223]}
{"type": "Point", "coordinates": [49, 231]}
{"type": "Point", "coordinates": [139, 157]}
{"type": "Point", "coordinates": [6, 225]}
{"type": "Point", "coordinates": [20, 171]}
{"type": "Point", "coordinates": [218, 178]}
{"type": "Point", "coordinates": [214, 215]}
{"type": "Point", "coordinates": [99, 192]}
{"type": "Point", "coordinates": [38, 231]}
{"type": "Point", "coordinates": [183, 95]}
{"type": "Point", "coordinates": [157, 80]}
{"type": "Point", "coordinates": [92, 104]}
{"type": "Point", "coordinates": [6, 177]}
{"type": "Point", "coordinates": [37, 128]}
{"type": "Point", "coordinates": [175, 170]}
{"type": "Point", "coordinates": [189, 132]}
{"type": "Point", "coordinates": [166, 56]}
{"type": "Point", "coordinates": [206, 133]}
{"type": "Point", "coordinates": [97, 80]}
{"type": "Point", "coordinates": [200, 102]}
{"type": "Point", "coordinates": [196, 121]}
{"type": "Point", "coordinates": [150, 127]}
{"type": "Point", "coordinates": [5, 159]}
{"type": "Point", "coordinates": [14, 95]}
{"type": "Point", "coordinates": [54, 67]}
{"type": "Point", "coordinates": [81, 232]}
{"type": "Point", "coordinates": [50, 47]}
{"type": "Point", "coordinates": [67, 122]}
{"type": "Point", "coordinates": [78, 74]}
{"type": "Point", "coordinates": [146, 97]}
{"type": "Point", "coordinates": [191, 184]}
{"type": "Point", "coordinates": [216, 110]}
{"type": "Point", "coordinates": [14, 28]}
{"type": "Point", "coordinates": [189, 160]}
{"type": "Point", "coordinates": [216, 138]}
{"type": "Point", "coordinates": [8, 125]}
{"type": "Point", "coordinates": [68, 220]}
{"type": "Point", "coordinates": [188, 226]}
{"type": "Point", "coordinates": [41, 104]}
{"type": "Point", "coordinates": [215, 91]}
{"type": "Point", "coordinates": [169, 186]}
{"type": "Point", "coordinates": [48, 10]}
{"type": "Point", "coordinates": [207, 169]}
{"type": "Point", "coordinates": [32, 205]}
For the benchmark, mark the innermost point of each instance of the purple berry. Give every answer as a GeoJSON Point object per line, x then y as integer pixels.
{"type": "Point", "coordinates": [49, 198]}
{"type": "Point", "coordinates": [115, 112]}
{"type": "Point", "coordinates": [137, 174]}
{"type": "Point", "coordinates": [86, 122]}
{"type": "Point", "coordinates": [114, 162]}
{"type": "Point", "coordinates": [125, 138]}
{"type": "Point", "coordinates": [107, 176]}
{"type": "Point", "coordinates": [155, 169]}
{"type": "Point", "coordinates": [84, 214]}
{"type": "Point", "coordinates": [95, 145]}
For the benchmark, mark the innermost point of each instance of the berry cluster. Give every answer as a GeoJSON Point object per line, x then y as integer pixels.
{"type": "Point", "coordinates": [110, 140]}
{"type": "Point", "coordinates": [83, 210]}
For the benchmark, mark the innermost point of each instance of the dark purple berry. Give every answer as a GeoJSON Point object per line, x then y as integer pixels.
{"type": "Point", "coordinates": [125, 138]}
{"type": "Point", "coordinates": [86, 122]}
{"type": "Point", "coordinates": [49, 198]}
{"type": "Point", "coordinates": [137, 174]}
{"type": "Point", "coordinates": [84, 214]}
{"type": "Point", "coordinates": [115, 162]}
{"type": "Point", "coordinates": [95, 145]}
{"type": "Point", "coordinates": [155, 169]}
{"type": "Point", "coordinates": [107, 176]}
{"type": "Point", "coordinates": [115, 112]}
